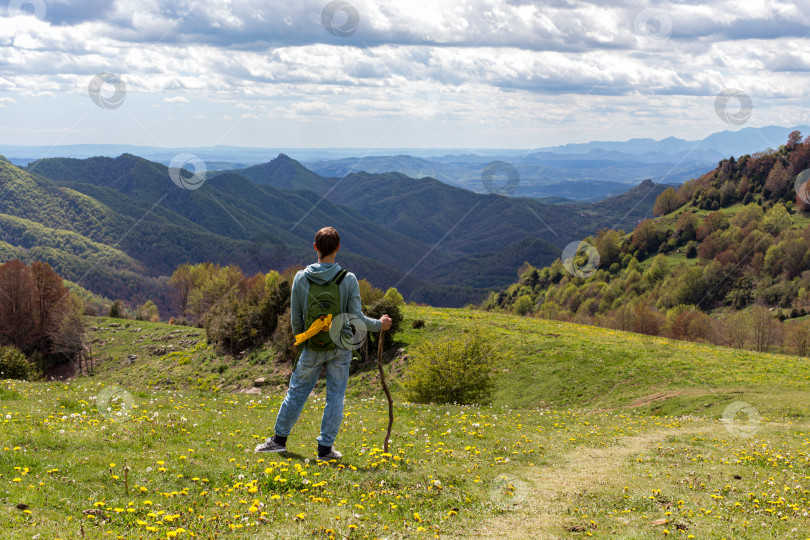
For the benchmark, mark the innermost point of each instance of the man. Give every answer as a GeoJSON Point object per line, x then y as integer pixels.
{"type": "Point", "coordinates": [319, 350]}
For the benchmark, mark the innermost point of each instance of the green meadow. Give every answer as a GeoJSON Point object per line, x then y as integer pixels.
{"type": "Point", "coordinates": [592, 433]}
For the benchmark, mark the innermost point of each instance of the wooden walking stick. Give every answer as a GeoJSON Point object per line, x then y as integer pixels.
{"type": "Point", "coordinates": [387, 392]}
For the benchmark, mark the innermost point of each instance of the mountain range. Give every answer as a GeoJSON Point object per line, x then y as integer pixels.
{"type": "Point", "coordinates": [583, 171]}
{"type": "Point", "coordinates": [584, 177]}
{"type": "Point", "coordinates": [119, 226]}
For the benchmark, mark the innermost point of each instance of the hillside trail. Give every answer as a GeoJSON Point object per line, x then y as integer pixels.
{"type": "Point", "coordinates": [553, 488]}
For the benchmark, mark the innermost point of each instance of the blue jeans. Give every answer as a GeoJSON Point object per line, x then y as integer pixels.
{"type": "Point", "coordinates": [303, 381]}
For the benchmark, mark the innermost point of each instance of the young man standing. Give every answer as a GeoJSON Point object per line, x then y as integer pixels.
{"type": "Point", "coordinates": [316, 354]}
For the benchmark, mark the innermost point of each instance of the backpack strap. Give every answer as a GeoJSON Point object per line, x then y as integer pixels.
{"type": "Point", "coordinates": [340, 276]}
{"type": "Point", "coordinates": [337, 279]}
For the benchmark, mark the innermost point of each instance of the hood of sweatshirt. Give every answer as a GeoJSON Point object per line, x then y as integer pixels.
{"type": "Point", "coordinates": [322, 272]}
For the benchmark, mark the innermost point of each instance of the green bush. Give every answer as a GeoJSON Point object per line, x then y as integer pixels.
{"type": "Point", "coordinates": [118, 310]}
{"type": "Point", "coordinates": [691, 249]}
{"type": "Point", "coordinates": [393, 295]}
{"type": "Point", "coordinates": [148, 312]}
{"type": "Point", "coordinates": [15, 365]}
{"type": "Point", "coordinates": [386, 306]}
{"type": "Point", "coordinates": [454, 370]}
{"type": "Point", "coordinates": [369, 294]}
{"type": "Point", "coordinates": [523, 304]}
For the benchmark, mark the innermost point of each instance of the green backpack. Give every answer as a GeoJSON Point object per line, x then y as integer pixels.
{"type": "Point", "coordinates": [323, 299]}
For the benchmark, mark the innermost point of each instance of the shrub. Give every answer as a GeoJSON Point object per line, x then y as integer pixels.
{"type": "Point", "coordinates": [689, 323]}
{"type": "Point", "coordinates": [588, 308]}
{"type": "Point", "coordinates": [221, 324]}
{"type": "Point", "coordinates": [283, 338]}
{"type": "Point", "coordinates": [647, 236]}
{"type": "Point", "coordinates": [118, 310]}
{"type": "Point", "coordinates": [272, 308]}
{"type": "Point", "coordinates": [453, 370]}
{"type": "Point", "coordinates": [242, 322]}
{"type": "Point", "coordinates": [15, 365]}
{"type": "Point", "coordinates": [148, 312]}
{"type": "Point", "coordinates": [418, 323]}
{"type": "Point", "coordinates": [369, 294]}
{"type": "Point", "coordinates": [666, 202]}
{"type": "Point", "coordinates": [776, 219]}
{"type": "Point", "coordinates": [647, 320]}
{"type": "Point", "coordinates": [385, 307]}
{"type": "Point", "coordinates": [393, 295]}
{"type": "Point", "coordinates": [523, 304]}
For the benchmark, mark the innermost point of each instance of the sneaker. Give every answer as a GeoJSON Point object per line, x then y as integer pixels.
{"type": "Point", "coordinates": [332, 455]}
{"type": "Point", "coordinates": [270, 446]}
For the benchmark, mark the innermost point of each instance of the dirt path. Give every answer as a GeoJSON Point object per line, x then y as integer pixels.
{"type": "Point", "coordinates": [547, 491]}
{"type": "Point", "coordinates": [662, 396]}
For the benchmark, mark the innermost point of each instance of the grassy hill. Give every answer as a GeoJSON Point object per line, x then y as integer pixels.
{"type": "Point", "coordinates": [551, 363]}
{"type": "Point", "coordinates": [733, 243]}
{"type": "Point", "coordinates": [592, 431]}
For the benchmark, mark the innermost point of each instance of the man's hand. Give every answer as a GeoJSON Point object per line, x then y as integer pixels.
{"type": "Point", "coordinates": [386, 322]}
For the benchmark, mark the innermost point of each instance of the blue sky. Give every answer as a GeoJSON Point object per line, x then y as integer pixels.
{"type": "Point", "coordinates": [449, 73]}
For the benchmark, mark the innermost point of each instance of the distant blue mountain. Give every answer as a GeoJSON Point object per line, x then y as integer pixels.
{"type": "Point", "coordinates": [597, 166]}
{"type": "Point", "coordinates": [670, 145]}
{"type": "Point", "coordinates": [726, 143]}
{"type": "Point", "coordinates": [749, 140]}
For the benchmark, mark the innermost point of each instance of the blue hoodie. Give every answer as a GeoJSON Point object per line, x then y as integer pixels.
{"type": "Point", "coordinates": [349, 295]}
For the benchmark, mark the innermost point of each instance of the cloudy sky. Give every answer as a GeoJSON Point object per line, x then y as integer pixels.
{"type": "Point", "coordinates": [376, 74]}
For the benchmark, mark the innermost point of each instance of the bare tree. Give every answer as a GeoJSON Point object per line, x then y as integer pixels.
{"type": "Point", "coordinates": [765, 329]}
{"type": "Point", "coordinates": [17, 322]}
{"type": "Point", "coordinates": [69, 337]}
{"type": "Point", "coordinates": [798, 336]}
{"type": "Point", "coordinates": [622, 318]}
{"type": "Point", "coordinates": [647, 320]}
{"type": "Point", "coordinates": [50, 297]}
{"type": "Point", "coordinates": [735, 330]}
{"type": "Point", "coordinates": [183, 281]}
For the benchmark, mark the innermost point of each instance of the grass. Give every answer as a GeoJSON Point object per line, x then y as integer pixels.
{"type": "Point", "coordinates": [593, 432]}
{"type": "Point", "coordinates": [797, 319]}
{"type": "Point", "coordinates": [674, 259]}
{"type": "Point", "coordinates": [159, 356]}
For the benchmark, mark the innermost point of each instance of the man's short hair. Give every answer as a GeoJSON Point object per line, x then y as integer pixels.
{"type": "Point", "coordinates": [327, 241]}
